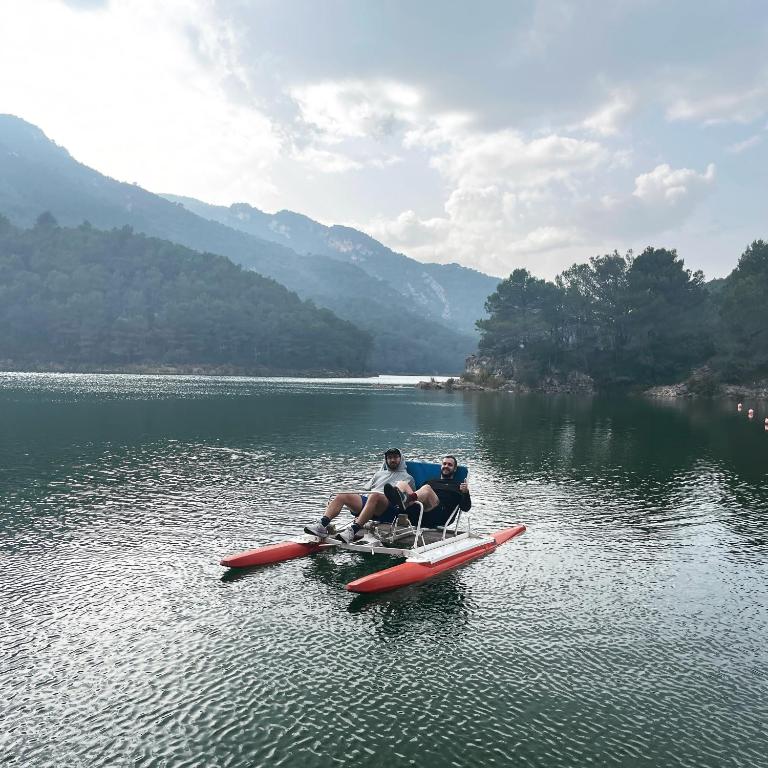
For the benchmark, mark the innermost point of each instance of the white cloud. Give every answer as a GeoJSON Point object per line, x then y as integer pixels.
{"type": "Point", "coordinates": [356, 108]}
{"type": "Point", "coordinates": [363, 116]}
{"type": "Point", "coordinates": [547, 238]}
{"type": "Point", "coordinates": [325, 161]}
{"type": "Point", "coordinates": [506, 200]}
{"type": "Point", "coordinates": [667, 186]}
{"type": "Point", "coordinates": [662, 200]}
{"type": "Point", "coordinates": [407, 229]}
{"type": "Point", "coordinates": [506, 157]}
{"type": "Point", "coordinates": [728, 107]}
{"type": "Point", "coordinates": [549, 221]}
{"type": "Point", "coordinates": [742, 146]}
{"type": "Point", "coordinates": [607, 120]}
{"type": "Point", "coordinates": [86, 5]}
{"type": "Point", "coordinates": [490, 228]}
{"type": "Point", "coordinates": [439, 130]}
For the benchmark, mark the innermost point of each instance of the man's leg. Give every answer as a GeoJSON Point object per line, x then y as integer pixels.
{"type": "Point", "coordinates": [425, 495]}
{"type": "Point", "coordinates": [335, 505]}
{"type": "Point", "coordinates": [341, 500]}
{"type": "Point", "coordinates": [377, 504]}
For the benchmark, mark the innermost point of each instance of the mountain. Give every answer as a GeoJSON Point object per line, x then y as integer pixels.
{"type": "Point", "coordinates": [85, 298]}
{"type": "Point", "coordinates": [447, 293]}
{"type": "Point", "coordinates": [37, 175]}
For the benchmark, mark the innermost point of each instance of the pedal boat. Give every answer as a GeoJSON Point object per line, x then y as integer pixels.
{"type": "Point", "coordinates": [430, 547]}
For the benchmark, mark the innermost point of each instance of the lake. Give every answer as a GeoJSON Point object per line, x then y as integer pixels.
{"type": "Point", "coordinates": [627, 627]}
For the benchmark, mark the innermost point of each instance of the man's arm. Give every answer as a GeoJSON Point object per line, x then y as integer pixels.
{"type": "Point", "coordinates": [466, 502]}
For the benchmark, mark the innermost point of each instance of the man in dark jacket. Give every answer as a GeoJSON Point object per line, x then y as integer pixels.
{"type": "Point", "coordinates": [439, 495]}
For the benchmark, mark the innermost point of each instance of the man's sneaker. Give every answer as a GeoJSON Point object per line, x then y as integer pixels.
{"type": "Point", "coordinates": [348, 535]}
{"type": "Point", "coordinates": [395, 497]}
{"type": "Point", "coordinates": [316, 529]}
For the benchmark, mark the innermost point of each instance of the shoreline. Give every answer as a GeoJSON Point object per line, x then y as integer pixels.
{"type": "Point", "coordinates": [204, 370]}
{"type": "Point", "coordinates": [439, 383]}
{"type": "Point", "coordinates": [180, 370]}
{"type": "Point", "coordinates": [666, 391]}
{"type": "Point", "coordinates": [725, 392]}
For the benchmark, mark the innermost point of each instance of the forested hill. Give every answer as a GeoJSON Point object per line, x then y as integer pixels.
{"type": "Point", "coordinates": [640, 320]}
{"type": "Point", "coordinates": [36, 175]}
{"type": "Point", "coordinates": [83, 297]}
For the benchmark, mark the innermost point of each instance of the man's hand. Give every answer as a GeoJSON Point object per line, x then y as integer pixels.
{"type": "Point", "coordinates": [463, 487]}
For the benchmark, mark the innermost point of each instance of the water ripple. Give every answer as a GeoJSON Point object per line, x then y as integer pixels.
{"type": "Point", "coordinates": [626, 627]}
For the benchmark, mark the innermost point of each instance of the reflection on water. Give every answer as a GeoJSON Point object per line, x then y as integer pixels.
{"type": "Point", "coordinates": [638, 464]}
{"type": "Point", "coordinates": [626, 627]}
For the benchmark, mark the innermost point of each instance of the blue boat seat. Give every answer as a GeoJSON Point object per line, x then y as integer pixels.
{"type": "Point", "coordinates": [421, 471]}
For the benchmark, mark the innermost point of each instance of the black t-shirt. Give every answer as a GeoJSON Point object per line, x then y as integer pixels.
{"type": "Point", "coordinates": [449, 494]}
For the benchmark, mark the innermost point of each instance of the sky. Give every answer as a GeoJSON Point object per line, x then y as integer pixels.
{"type": "Point", "coordinates": [493, 134]}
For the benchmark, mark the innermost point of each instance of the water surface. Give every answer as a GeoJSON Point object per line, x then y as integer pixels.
{"type": "Point", "coordinates": [627, 627]}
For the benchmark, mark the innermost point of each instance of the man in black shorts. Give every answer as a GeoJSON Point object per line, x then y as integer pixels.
{"type": "Point", "coordinates": [439, 495]}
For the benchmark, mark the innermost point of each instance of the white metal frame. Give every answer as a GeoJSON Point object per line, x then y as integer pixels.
{"type": "Point", "coordinates": [373, 543]}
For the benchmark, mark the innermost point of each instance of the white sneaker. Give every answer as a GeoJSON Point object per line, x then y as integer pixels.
{"type": "Point", "coordinates": [316, 529]}
{"type": "Point", "coordinates": [348, 535]}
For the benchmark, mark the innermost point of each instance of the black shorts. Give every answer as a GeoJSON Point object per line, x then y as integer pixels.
{"type": "Point", "coordinates": [436, 516]}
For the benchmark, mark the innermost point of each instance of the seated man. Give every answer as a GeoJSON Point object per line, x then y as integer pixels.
{"type": "Point", "coordinates": [364, 506]}
{"type": "Point", "coordinates": [439, 495]}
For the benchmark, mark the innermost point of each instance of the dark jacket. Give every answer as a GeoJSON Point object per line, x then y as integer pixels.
{"type": "Point", "coordinates": [449, 494]}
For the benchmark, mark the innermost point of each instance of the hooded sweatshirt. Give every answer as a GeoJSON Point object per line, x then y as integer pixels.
{"type": "Point", "coordinates": [386, 475]}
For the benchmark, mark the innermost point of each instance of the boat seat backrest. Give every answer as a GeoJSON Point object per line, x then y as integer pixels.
{"type": "Point", "coordinates": [421, 471]}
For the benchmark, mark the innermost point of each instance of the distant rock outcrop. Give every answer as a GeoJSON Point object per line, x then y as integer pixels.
{"type": "Point", "coordinates": [490, 373]}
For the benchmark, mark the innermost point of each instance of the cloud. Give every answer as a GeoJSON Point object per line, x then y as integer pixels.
{"type": "Point", "coordinates": [666, 186]}
{"type": "Point", "coordinates": [742, 146]}
{"type": "Point", "coordinates": [506, 157]}
{"type": "Point", "coordinates": [325, 161]}
{"type": "Point", "coordinates": [356, 108]}
{"type": "Point", "coordinates": [548, 222]}
{"type": "Point", "coordinates": [440, 130]}
{"type": "Point", "coordinates": [86, 5]}
{"type": "Point", "coordinates": [662, 199]}
{"type": "Point", "coordinates": [506, 195]}
{"type": "Point", "coordinates": [731, 106]}
{"type": "Point", "coordinates": [407, 229]}
{"type": "Point", "coordinates": [492, 228]}
{"type": "Point", "coordinates": [607, 120]}
{"type": "Point", "coordinates": [544, 239]}
{"type": "Point", "coordinates": [362, 120]}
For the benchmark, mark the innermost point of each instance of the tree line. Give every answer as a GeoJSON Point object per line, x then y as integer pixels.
{"type": "Point", "coordinates": [82, 296]}
{"type": "Point", "coordinates": [626, 319]}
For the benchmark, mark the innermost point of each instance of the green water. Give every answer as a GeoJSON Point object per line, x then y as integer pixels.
{"type": "Point", "coordinates": [626, 627]}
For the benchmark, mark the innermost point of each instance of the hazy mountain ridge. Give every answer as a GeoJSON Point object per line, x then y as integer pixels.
{"type": "Point", "coordinates": [448, 293]}
{"type": "Point", "coordinates": [37, 175]}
